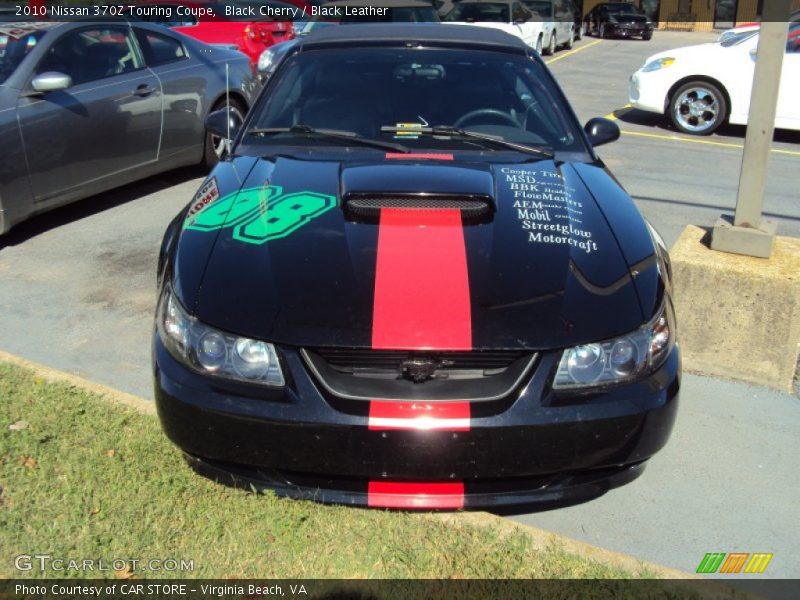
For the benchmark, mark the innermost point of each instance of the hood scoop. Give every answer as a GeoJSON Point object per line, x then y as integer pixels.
{"type": "Point", "coordinates": [367, 189]}
{"type": "Point", "coordinates": [368, 206]}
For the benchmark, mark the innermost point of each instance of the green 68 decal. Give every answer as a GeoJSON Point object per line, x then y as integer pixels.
{"type": "Point", "coordinates": [259, 215]}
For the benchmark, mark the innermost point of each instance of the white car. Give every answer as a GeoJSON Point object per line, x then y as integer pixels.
{"type": "Point", "coordinates": [559, 22]}
{"type": "Point", "coordinates": [510, 16]}
{"type": "Point", "coordinates": [702, 87]}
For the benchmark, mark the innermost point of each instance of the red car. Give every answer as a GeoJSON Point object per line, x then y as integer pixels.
{"type": "Point", "coordinates": [252, 30]}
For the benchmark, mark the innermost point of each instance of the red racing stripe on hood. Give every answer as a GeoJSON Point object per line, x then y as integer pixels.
{"type": "Point", "coordinates": [422, 298]}
{"type": "Point", "coordinates": [417, 155]}
{"type": "Point", "coordinates": [420, 416]}
{"type": "Point", "coordinates": [410, 494]}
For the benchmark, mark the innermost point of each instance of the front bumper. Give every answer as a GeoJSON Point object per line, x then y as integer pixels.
{"type": "Point", "coordinates": [627, 30]}
{"type": "Point", "coordinates": [533, 447]}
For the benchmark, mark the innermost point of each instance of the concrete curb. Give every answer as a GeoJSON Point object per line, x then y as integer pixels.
{"type": "Point", "coordinates": [541, 538]}
{"type": "Point", "coordinates": [54, 375]}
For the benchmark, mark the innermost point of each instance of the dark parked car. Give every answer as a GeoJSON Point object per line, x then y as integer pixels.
{"type": "Point", "coordinates": [86, 107]}
{"type": "Point", "coordinates": [617, 19]}
{"type": "Point", "coordinates": [414, 284]}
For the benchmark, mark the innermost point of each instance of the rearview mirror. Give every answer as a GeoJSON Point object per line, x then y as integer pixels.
{"type": "Point", "coordinates": [51, 81]}
{"type": "Point", "coordinates": [601, 131]}
{"type": "Point", "coordinates": [223, 122]}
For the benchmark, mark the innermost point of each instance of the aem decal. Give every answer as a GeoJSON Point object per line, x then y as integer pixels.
{"type": "Point", "coordinates": [259, 215]}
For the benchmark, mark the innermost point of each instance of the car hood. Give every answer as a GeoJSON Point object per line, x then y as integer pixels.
{"type": "Point", "coordinates": [628, 18]}
{"type": "Point", "coordinates": [311, 253]}
{"type": "Point", "coordinates": [708, 51]}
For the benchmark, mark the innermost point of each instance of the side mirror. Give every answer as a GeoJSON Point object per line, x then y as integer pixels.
{"type": "Point", "coordinates": [51, 81]}
{"type": "Point", "coordinates": [601, 131]}
{"type": "Point", "coordinates": [218, 122]}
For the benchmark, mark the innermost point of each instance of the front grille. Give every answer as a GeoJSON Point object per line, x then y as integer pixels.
{"type": "Point", "coordinates": [358, 374]}
{"type": "Point", "coordinates": [354, 360]}
{"type": "Point", "coordinates": [370, 205]}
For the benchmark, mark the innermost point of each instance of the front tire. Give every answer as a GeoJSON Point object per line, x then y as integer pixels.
{"type": "Point", "coordinates": [539, 46]}
{"type": "Point", "coordinates": [214, 146]}
{"type": "Point", "coordinates": [648, 36]}
{"type": "Point", "coordinates": [698, 108]}
{"type": "Point", "coordinates": [551, 46]}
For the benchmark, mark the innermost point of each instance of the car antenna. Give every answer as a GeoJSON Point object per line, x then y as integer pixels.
{"type": "Point", "coordinates": [228, 110]}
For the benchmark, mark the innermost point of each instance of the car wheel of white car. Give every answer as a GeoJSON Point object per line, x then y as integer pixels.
{"type": "Point", "coordinates": [698, 107]}
{"type": "Point", "coordinates": [551, 46]}
{"type": "Point", "coordinates": [539, 46]}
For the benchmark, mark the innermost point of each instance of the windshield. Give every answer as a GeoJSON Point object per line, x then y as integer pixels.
{"type": "Point", "coordinates": [484, 12]}
{"type": "Point", "coordinates": [544, 8]}
{"type": "Point", "coordinates": [622, 7]}
{"type": "Point", "coordinates": [370, 93]}
{"type": "Point", "coordinates": [13, 48]}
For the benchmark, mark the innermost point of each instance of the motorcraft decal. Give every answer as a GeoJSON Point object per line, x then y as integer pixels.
{"type": "Point", "coordinates": [259, 215]}
{"type": "Point", "coordinates": [546, 209]}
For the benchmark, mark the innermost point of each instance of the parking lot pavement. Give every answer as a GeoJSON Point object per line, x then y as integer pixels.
{"type": "Point", "coordinates": [676, 179]}
{"type": "Point", "coordinates": [727, 481]}
{"type": "Point", "coordinates": [77, 285]}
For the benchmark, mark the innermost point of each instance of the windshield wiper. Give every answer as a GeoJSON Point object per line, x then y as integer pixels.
{"type": "Point", "coordinates": [450, 131]}
{"type": "Point", "coordinates": [333, 134]}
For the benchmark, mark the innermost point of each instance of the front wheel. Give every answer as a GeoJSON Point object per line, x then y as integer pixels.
{"type": "Point", "coordinates": [214, 146]}
{"type": "Point", "coordinates": [698, 108]}
{"type": "Point", "coordinates": [551, 47]}
{"type": "Point", "coordinates": [539, 46]}
{"type": "Point", "coordinates": [647, 36]}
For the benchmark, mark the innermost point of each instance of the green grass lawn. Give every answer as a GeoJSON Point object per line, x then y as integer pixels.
{"type": "Point", "coordinates": [86, 478]}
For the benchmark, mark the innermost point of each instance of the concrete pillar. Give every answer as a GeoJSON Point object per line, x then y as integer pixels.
{"type": "Point", "coordinates": [747, 233]}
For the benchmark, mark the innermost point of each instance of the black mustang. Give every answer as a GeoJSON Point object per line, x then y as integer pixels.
{"type": "Point", "coordinates": [413, 284]}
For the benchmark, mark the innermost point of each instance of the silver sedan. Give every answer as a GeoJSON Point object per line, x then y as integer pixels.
{"type": "Point", "coordinates": [86, 107]}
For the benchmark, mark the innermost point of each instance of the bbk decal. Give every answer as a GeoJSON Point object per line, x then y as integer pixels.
{"type": "Point", "coordinates": [259, 215]}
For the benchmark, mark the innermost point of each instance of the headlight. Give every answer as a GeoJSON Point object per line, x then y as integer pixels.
{"type": "Point", "coordinates": [265, 60]}
{"type": "Point", "coordinates": [620, 359]}
{"type": "Point", "coordinates": [212, 352]}
{"type": "Point", "coordinates": [658, 64]}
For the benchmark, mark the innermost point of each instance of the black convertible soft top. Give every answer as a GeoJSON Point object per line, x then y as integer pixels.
{"type": "Point", "coordinates": [426, 34]}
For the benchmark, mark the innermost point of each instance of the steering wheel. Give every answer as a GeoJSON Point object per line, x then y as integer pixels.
{"type": "Point", "coordinates": [486, 112]}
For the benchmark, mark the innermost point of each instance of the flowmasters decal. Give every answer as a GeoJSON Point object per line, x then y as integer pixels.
{"type": "Point", "coordinates": [256, 215]}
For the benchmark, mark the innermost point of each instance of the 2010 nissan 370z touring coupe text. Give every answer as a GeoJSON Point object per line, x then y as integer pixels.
{"type": "Point", "coordinates": [413, 284]}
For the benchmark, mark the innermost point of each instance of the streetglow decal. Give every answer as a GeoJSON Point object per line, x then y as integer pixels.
{"type": "Point", "coordinates": [259, 215]}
